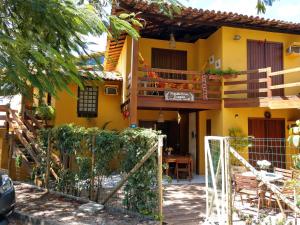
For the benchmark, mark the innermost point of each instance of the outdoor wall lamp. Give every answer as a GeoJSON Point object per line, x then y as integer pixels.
{"type": "Point", "coordinates": [236, 116]}
{"type": "Point", "coordinates": [237, 37]}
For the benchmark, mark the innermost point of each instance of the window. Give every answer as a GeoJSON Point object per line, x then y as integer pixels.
{"type": "Point", "coordinates": [87, 105]}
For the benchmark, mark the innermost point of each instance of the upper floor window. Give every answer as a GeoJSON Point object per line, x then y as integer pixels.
{"type": "Point", "coordinates": [87, 105]}
{"type": "Point", "coordinates": [169, 59]}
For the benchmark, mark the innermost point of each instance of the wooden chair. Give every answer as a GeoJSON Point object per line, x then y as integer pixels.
{"type": "Point", "coordinates": [287, 174]}
{"type": "Point", "coordinates": [183, 166]}
{"type": "Point", "coordinates": [246, 185]}
{"type": "Point", "coordinates": [289, 193]}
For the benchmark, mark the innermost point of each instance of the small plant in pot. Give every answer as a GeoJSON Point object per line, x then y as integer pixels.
{"type": "Point", "coordinates": [264, 165]}
{"type": "Point", "coordinates": [217, 74]}
{"type": "Point", "coordinates": [45, 112]}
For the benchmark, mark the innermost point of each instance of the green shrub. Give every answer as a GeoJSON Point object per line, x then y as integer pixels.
{"type": "Point", "coordinates": [45, 112]}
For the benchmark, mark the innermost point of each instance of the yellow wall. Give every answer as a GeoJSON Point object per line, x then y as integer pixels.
{"type": "Point", "coordinates": [123, 65]}
{"type": "Point", "coordinates": [235, 52]}
{"type": "Point", "coordinates": [216, 130]}
{"type": "Point", "coordinates": [108, 109]}
{"type": "Point", "coordinates": [212, 46]}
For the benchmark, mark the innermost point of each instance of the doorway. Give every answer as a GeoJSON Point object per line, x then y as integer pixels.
{"type": "Point", "coordinates": [269, 137]}
{"type": "Point", "coordinates": [262, 54]}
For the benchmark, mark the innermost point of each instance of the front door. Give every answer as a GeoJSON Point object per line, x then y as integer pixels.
{"type": "Point", "coordinates": [262, 54]}
{"type": "Point", "coordinates": [269, 141]}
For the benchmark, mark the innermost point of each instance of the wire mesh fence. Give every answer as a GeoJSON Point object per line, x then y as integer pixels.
{"type": "Point", "coordinates": [264, 180]}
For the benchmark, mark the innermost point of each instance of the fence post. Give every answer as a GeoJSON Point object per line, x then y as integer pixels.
{"type": "Point", "coordinates": [269, 82]}
{"type": "Point", "coordinates": [228, 181]}
{"type": "Point", "coordinates": [92, 167]}
{"type": "Point", "coordinates": [10, 152]}
{"type": "Point", "coordinates": [159, 177]}
{"type": "Point", "coordinates": [48, 161]}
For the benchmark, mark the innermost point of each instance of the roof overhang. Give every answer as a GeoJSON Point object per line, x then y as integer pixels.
{"type": "Point", "coordinates": [189, 26]}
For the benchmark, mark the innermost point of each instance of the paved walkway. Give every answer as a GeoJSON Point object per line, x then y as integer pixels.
{"type": "Point", "coordinates": [184, 204]}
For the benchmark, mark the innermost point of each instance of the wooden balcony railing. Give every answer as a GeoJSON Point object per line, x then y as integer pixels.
{"type": "Point", "coordinates": [240, 85]}
{"type": "Point", "coordinates": [156, 82]}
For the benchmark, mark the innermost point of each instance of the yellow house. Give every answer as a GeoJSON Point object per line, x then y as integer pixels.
{"type": "Point", "coordinates": [161, 81]}
{"type": "Point", "coordinates": [166, 87]}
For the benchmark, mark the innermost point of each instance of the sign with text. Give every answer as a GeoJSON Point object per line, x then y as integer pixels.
{"type": "Point", "coordinates": [179, 96]}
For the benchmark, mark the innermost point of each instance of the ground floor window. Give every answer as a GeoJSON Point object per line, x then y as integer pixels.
{"type": "Point", "coordinates": [87, 105]}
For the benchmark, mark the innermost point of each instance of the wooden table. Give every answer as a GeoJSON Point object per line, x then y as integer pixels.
{"type": "Point", "coordinates": [267, 176]}
{"type": "Point", "coordinates": [173, 159]}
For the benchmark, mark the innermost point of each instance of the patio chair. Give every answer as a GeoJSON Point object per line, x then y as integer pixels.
{"type": "Point", "coordinates": [286, 174]}
{"type": "Point", "coordinates": [246, 185]}
{"type": "Point", "coordinates": [183, 166]}
{"type": "Point", "coordinates": [286, 191]}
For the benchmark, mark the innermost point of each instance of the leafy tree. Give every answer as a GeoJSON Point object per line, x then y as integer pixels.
{"type": "Point", "coordinates": [261, 5]}
{"type": "Point", "coordinates": [39, 40]}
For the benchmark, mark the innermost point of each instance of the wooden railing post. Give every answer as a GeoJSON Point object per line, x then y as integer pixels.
{"type": "Point", "coordinates": [269, 82]}
{"type": "Point", "coordinates": [134, 77]}
{"type": "Point", "coordinates": [204, 87]}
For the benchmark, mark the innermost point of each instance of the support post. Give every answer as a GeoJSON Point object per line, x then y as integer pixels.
{"type": "Point", "coordinates": [269, 82]}
{"type": "Point", "coordinates": [10, 152]}
{"type": "Point", "coordinates": [92, 168]}
{"type": "Point", "coordinates": [228, 181]}
{"type": "Point", "coordinates": [159, 178]}
{"type": "Point", "coordinates": [48, 162]}
{"type": "Point", "coordinates": [134, 85]}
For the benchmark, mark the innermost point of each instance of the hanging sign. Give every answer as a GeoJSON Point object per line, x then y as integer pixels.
{"type": "Point", "coordinates": [179, 96]}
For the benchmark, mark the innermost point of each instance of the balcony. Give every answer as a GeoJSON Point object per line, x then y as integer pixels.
{"type": "Point", "coordinates": [161, 88]}
{"type": "Point", "coordinates": [263, 91]}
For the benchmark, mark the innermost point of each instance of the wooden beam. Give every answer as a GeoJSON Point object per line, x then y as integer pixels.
{"type": "Point", "coordinates": [133, 120]}
{"type": "Point", "coordinates": [293, 70]}
{"type": "Point", "coordinates": [159, 102]}
{"type": "Point", "coordinates": [155, 89]}
{"type": "Point", "coordinates": [297, 84]}
{"type": "Point", "coordinates": [261, 90]}
{"type": "Point", "coordinates": [261, 80]}
{"type": "Point", "coordinates": [158, 70]}
{"type": "Point", "coordinates": [290, 102]}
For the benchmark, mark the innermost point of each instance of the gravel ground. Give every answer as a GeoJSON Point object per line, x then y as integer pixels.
{"type": "Point", "coordinates": [61, 210]}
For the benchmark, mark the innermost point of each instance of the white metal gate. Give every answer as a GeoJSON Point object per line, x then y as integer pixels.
{"type": "Point", "coordinates": [218, 181]}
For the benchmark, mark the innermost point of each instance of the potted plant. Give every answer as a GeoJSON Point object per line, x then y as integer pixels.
{"type": "Point", "coordinates": [264, 165]}
{"type": "Point", "coordinates": [217, 74]}
{"type": "Point", "coordinates": [239, 142]}
{"type": "Point", "coordinates": [169, 150]}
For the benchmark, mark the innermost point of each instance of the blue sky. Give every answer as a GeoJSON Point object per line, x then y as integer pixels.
{"type": "Point", "coordinates": [287, 10]}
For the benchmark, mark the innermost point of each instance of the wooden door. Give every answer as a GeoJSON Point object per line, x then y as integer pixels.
{"type": "Point", "coordinates": [262, 54]}
{"type": "Point", "coordinates": [269, 141]}
{"type": "Point", "coordinates": [169, 59]}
